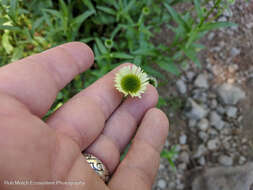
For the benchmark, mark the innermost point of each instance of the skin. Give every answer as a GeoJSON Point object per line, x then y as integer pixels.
{"type": "Point", "coordinates": [95, 120]}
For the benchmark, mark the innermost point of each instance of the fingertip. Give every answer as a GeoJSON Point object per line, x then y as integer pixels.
{"type": "Point", "coordinates": [162, 117]}
{"type": "Point", "coordinates": [81, 52]}
{"type": "Point", "coordinates": [154, 128]}
{"type": "Point", "coordinates": [153, 93]}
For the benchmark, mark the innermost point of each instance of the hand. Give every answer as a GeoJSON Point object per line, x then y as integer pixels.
{"type": "Point", "coordinates": [94, 120]}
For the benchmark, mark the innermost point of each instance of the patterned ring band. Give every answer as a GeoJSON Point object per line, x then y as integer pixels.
{"type": "Point", "coordinates": [98, 167]}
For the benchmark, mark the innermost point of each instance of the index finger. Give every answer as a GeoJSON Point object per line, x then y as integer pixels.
{"type": "Point", "coordinates": [36, 80]}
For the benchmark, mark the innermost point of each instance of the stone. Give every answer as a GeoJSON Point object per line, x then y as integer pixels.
{"type": "Point", "coordinates": [213, 144]}
{"type": "Point", "coordinates": [225, 178]}
{"type": "Point", "coordinates": [181, 86]}
{"type": "Point", "coordinates": [183, 139]}
{"type": "Point", "coordinates": [190, 75]}
{"type": "Point", "coordinates": [192, 123]}
{"type": "Point", "coordinates": [182, 166]}
{"type": "Point", "coordinates": [184, 157]}
{"type": "Point", "coordinates": [199, 95]}
{"type": "Point", "coordinates": [231, 111]}
{"type": "Point", "coordinates": [161, 183]}
{"type": "Point", "coordinates": [234, 52]}
{"type": "Point", "coordinates": [200, 151]}
{"type": "Point", "coordinates": [214, 103]}
{"type": "Point", "coordinates": [202, 161]}
{"type": "Point", "coordinates": [242, 160]}
{"type": "Point", "coordinates": [230, 94]}
{"type": "Point", "coordinates": [225, 160]}
{"type": "Point", "coordinates": [201, 81]}
{"type": "Point", "coordinates": [203, 136]}
{"type": "Point", "coordinates": [216, 120]}
{"type": "Point", "coordinates": [203, 124]}
{"type": "Point", "coordinates": [194, 110]}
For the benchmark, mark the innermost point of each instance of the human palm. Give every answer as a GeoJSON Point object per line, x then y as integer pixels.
{"type": "Point", "coordinates": [95, 121]}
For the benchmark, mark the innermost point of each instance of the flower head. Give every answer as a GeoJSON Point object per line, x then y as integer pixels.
{"type": "Point", "coordinates": [131, 80]}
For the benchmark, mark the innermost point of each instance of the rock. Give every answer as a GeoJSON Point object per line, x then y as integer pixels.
{"type": "Point", "coordinates": [225, 160]}
{"type": "Point", "coordinates": [200, 151]}
{"type": "Point", "coordinates": [213, 144]}
{"type": "Point", "coordinates": [181, 86]}
{"type": "Point", "coordinates": [199, 95]}
{"type": "Point", "coordinates": [184, 157]}
{"type": "Point", "coordinates": [194, 110]}
{"type": "Point", "coordinates": [249, 25]}
{"type": "Point", "coordinates": [192, 123]}
{"type": "Point", "coordinates": [201, 81]}
{"type": "Point", "coordinates": [230, 94]}
{"type": "Point", "coordinates": [183, 139]}
{"type": "Point", "coordinates": [202, 161]}
{"type": "Point", "coordinates": [234, 52]}
{"type": "Point", "coordinates": [182, 166]}
{"type": "Point", "coordinates": [216, 121]}
{"type": "Point", "coordinates": [190, 75]}
{"type": "Point", "coordinates": [224, 178]}
{"type": "Point", "coordinates": [220, 109]}
{"type": "Point", "coordinates": [242, 160]}
{"type": "Point", "coordinates": [231, 111]}
{"type": "Point", "coordinates": [161, 183]}
{"type": "Point", "coordinates": [214, 103]}
{"type": "Point", "coordinates": [203, 124]}
{"type": "Point", "coordinates": [203, 136]}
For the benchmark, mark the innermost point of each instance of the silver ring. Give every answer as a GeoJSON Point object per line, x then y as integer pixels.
{"type": "Point", "coordinates": [98, 166]}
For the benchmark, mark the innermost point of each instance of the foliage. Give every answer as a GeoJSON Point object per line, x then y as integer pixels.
{"type": "Point", "coordinates": [170, 155]}
{"type": "Point", "coordinates": [117, 31]}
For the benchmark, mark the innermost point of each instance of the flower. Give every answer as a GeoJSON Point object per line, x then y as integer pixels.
{"type": "Point", "coordinates": [153, 81]}
{"type": "Point", "coordinates": [131, 80]}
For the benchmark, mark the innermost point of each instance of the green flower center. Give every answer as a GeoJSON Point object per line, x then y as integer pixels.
{"type": "Point", "coordinates": [130, 83]}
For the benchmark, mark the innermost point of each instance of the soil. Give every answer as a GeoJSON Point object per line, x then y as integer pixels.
{"type": "Point", "coordinates": [225, 48]}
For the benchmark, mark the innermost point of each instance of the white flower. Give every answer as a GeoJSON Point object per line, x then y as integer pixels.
{"type": "Point", "coordinates": [131, 80]}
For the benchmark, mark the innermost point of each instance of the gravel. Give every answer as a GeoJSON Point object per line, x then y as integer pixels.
{"type": "Point", "coordinates": [194, 110]}
{"type": "Point", "coordinates": [161, 183]}
{"type": "Point", "coordinates": [216, 120]}
{"type": "Point", "coordinates": [213, 144]}
{"type": "Point", "coordinates": [231, 111]}
{"type": "Point", "coordinates": [201, 81]}
{"type": "Point", "coordinates": [203, 124]}
{"type": "Point", "coordinates": [225, 160]}
{"type": "Point", "coordinates": [183, 139]}
{"type": "Point", "coordinates": [229, 94]}
{"type": "Point", "coordinates": [181, 86]}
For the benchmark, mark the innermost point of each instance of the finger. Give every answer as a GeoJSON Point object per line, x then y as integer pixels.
{"type": "Point", "coordinates": [142, 161]}
{"type": "Point", "coordinates": [36, 80]}
{"type": "Point", "coordinates": [82, 118]}
{"type": "Point", "coordinates": [120, 128]}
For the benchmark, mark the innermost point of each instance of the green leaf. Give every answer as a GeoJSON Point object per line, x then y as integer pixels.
{"type": "Point", "coordinates": [13, 8]}
{"type": "Point", "coordinates": [64, 8]}
{"type": "Point", "coordinates": [153, 72]}
{"type": "Point", "coordinates": [170, 67]}
{"type": "Point", "coordinates": [11, 28]}
{"type": "Point", "coordinates": [77, 21]}
{"type": "Point", "coordinates": [192, 54]}
{"type": "Point", "coordinates": [198, 9]}
{"type": "Point", "coordinates": [6, 43]}
{"type": "Point", "coordinates": [101, 46]}
{"type": "Point", "coordinates": [121, 55]}
{"type": "Point", "coordinates": [216, 25]}
{"type": "Point", "coordinates": [89, 4]}
{"type": "Point", "coordinates": [106, 10]}
{"type": "Point", "coordinates": [176, 17]}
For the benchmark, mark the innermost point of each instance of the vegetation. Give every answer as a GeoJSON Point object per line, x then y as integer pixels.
{"type": "Point", "coordinates": [117, 31]}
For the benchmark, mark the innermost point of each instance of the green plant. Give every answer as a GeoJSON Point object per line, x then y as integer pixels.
{"type": "Point", "coordinates": [170, 155]}
{"type": "Point", "coordinates": [118, 31]}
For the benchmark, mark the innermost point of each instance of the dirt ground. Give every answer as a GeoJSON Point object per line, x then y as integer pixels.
{"type": "Point", "coordinates": [228, 58]}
